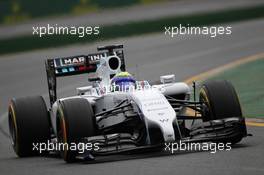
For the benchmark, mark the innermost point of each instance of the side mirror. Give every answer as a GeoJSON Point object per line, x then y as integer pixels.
{"type": "Point", "coordinates": [167, 79]}
{"type": "Point", "coordinates": [83, 90]}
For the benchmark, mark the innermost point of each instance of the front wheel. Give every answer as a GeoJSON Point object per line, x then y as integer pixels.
{"type": "Point", "coordinates": [75, 120]}
{"type": "Point", "coordinates": [221, 101]}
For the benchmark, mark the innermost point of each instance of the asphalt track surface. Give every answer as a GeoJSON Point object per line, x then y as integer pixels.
{"type": "Point", "coordinates": [150, 56]}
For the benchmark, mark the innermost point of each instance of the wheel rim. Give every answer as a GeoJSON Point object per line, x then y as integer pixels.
{"type": "Point", "coordinates": [62, 134]}
{"type": "Point", "coordinates": [12, 127]}
{"type": "Point", "coordinates": [12, 130]}
{"type": "Point", "coordinates": [206, 105]}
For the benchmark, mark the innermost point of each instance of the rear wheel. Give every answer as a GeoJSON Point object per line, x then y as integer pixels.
{"type": "Point", "coordinates": [75, 120]}
{"type": "Point", "coordinates": [28, 124]}
{"type": "Point", "coordinates": [221, 101]}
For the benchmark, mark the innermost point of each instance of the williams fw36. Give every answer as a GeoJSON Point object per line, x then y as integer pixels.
{"type": "Point", "coordinates": [116, 120]}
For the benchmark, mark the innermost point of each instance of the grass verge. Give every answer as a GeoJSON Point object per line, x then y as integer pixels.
{"type": "Point", "coordinates": [31, 42]}
{"type": "Point", "coordinates": [248, 82]}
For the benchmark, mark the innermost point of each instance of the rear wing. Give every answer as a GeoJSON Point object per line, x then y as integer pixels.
{"type": "Point", "coordinates": [80, 64]}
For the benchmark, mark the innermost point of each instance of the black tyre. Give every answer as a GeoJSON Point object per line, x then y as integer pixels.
{"type": "Point", "coordinates": [221, 101]}
{"type": "Point", "coordinates": [28, 123]}
{"type": "Point", "coordinates": [75, 120]}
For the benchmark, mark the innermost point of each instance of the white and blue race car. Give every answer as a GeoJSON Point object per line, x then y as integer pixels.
{"type": "Point", "coordinates": [115, 121]}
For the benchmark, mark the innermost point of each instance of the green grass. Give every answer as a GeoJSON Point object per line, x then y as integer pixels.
{"type": "Point", "coordinates": [31, 42]}
{"type": "Point", "coordinates": [248, 80]}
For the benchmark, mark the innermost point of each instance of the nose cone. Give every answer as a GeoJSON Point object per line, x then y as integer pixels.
{"type": "Point", "coordinates": [156, 111]}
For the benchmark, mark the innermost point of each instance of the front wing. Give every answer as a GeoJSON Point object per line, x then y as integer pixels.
{"type": "Point", "coordinates": [222, 130]}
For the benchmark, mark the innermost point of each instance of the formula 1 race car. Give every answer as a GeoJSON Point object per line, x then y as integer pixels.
{"type": "Point", "coordinates": [114, 121]}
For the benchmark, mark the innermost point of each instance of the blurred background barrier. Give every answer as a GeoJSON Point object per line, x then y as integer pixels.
{"type": "Point", "coordinates": [31, 42]}
{"type": "Point", "coordinates": [13, 11]}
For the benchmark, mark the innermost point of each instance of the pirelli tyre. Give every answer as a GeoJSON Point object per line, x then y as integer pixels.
{"type": "Point", "coordinates": [221, 102]}
{"type": "Point", "coordinates": [75, 120]}
{"type": "Point", "coordinates": [28, 124]}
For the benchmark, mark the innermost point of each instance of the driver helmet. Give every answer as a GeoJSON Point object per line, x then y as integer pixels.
{"type": "Point", "coordinates": [123, 81]}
